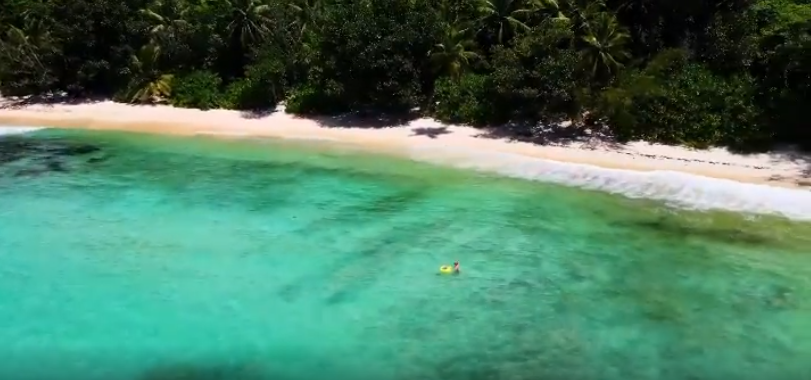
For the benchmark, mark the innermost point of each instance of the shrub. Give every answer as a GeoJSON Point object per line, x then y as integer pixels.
{"type": "Point", "coordinates": [250, 94]}
{"type": "Point", "coordinates": [676, 101]}
{"type": "Point", "coordinates": [199, 89]}
{"type": "Point", "coordinates": [375, 52]}
{"type": "Point", "coordinates": [310, 99]}
{"type": "Point", "coordinates": [464, 100]}
{"type": "Point", "coordinates": [537, 79]}
{"type": "Point", "coordinates": [263, 86]}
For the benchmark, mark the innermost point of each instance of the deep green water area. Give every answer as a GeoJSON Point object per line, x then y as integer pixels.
{"type": "Point", "coordinates": [139, 257]}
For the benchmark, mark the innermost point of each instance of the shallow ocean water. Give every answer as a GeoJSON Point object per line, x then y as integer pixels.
{"type": "Point", "coordinates": [142, 257]}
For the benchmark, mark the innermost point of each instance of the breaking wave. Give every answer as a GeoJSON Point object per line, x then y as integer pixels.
{"type": "Point", "coordinates": [14, 130]}
{"type": "Point", "coordinates": [674, 188]}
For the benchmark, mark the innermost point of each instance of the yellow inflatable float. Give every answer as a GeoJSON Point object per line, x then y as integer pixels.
{"type": "Point", "coordinates": [446, 269]}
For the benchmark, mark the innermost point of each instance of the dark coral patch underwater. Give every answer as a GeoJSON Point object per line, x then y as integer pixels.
{"type": "Point", "coordinates": [22, 156]}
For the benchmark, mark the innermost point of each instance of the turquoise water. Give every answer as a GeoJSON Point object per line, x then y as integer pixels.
{"type": "Point", "coordinates": [143, 257]}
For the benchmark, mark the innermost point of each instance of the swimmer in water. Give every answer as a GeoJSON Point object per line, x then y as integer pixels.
{"type": "Point", "coordinates": [456, 267]}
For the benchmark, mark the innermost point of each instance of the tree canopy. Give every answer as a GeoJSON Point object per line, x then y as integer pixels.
{"type": "Point", "coordinates": [703, 73]}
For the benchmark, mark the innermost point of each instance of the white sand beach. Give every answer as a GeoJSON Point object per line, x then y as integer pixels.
{"type": "Point", "coordinates": [421, 138]}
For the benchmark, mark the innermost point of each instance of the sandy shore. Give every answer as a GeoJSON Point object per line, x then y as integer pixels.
{"type": "Point", "coordinates": [776, 169]}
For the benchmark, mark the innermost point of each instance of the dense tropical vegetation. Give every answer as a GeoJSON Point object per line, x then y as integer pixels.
{"type": "Point", "coordinates": [725, 72]}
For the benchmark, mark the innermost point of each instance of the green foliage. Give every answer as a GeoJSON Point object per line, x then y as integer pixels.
{"type": "Point", "coordinates": [262, 87]}
{"type": "Point", "coordinates": [538, 79]}
{"type": "Point", "coordinates": [95, 62]}
{"type": "Point", "coordinates": [148, 83]}
{"type": "Point", "coordinates": [501, 20]}
{"type": "Point", "coordinates": [373, 53]}
{"type": "Point", "coordinates": [142, 90]}
{"type": "Point", "coordinates": [82, 47]}
{"type": "Point", "coordinates": [604, 45]}
{"type": "Point", "coordinates": [677, 101]}
{"type": "Point", "coordinates": [466, 100]}
{"type": "Point", "coordinates": [777, 16]}
{"type": "Point", "coordinates": [785, 69]}
{"type": "Point", "coordinates": [23, 60]}
{"type": "Point", "coordinates": [454, 53]}
{"type": "Point", "coordinates": [658, 25]}
{"type": "Point", "coordinates": [199, 89]}
{"type": "Point", "coordinates": [307, 100]}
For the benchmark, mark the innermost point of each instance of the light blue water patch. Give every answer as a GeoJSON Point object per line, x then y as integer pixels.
{"type": "Point", "coordinates": [143, 257]}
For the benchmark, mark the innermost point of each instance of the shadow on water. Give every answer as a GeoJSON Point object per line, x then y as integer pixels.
{"type": "Point", "coordinates": [459, 367]}
{"type": "Point", "coordinates": [395, 203]}
{"type": "Point", "coordinates": [374, 248]}
{"type": "Point", "coordinates": [40, 157]}
{"type": "Point", "coordinates": [208, 372]}
{"type": "Point", "coordinates": [668, 227]}
{"type": "Point", "coordinates": [527, 357]}
{"type": "Point", "coordinates": [270, 186]}
{"type": "Point", "coordinates": [369, 210]}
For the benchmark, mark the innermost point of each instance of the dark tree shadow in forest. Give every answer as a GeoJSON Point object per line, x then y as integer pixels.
{"type": "Point", "coordinates": [12, 103]}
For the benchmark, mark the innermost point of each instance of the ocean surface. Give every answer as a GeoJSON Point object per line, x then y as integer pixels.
{"type": "Point", "coordinates": [139, 257]}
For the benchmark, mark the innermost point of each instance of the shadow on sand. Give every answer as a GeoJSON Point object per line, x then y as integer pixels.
{"type": "Point", "coordinates": [366, 120]}
{"type": "Point", "coordinates": [430, 132]}
{"type": "Point", "coordinates": [796, 156]}
{"type": "Point", "coordinates": [257, 114]}
{"type": "Point", "coordinates": [11, 103]}
{"type": "Point", "coordinates": [561, 134]}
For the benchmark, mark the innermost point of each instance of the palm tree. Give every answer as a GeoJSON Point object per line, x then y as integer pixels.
{"type": "Point", "coordinates": [150, 85]}
{"type": "Point", "coordinates": [505, 16]}
{"type": "Point", "coordinates": [604, 44]}
{"type": "Point", "coordinates": [26, 45]}
{"type": "Point", "coordinates": [250, 21]}
{"type": "Point", "coordinates": [550, 5]}
{"type": "Point", "coordinates": [581, 13]}
{"type": "Point", "coordinates": [167, 16]}
{"type": "Point", "coordinates": [445, 8]}
{"type": "Point", "coordinates": [454, 53]}
{"type": "Point", "coordinates": [19, 37]}
{"type": "Point", "coordinates": [306, 13]}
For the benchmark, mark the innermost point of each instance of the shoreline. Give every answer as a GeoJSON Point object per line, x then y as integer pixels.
{"type": "Point", "coordinates": [785, 170]}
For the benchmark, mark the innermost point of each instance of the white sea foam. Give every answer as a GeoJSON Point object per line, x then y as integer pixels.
{"type": "Point", "coordinates": [6, 130]}
{"type": "Point", "coordinates": [674, 188]}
